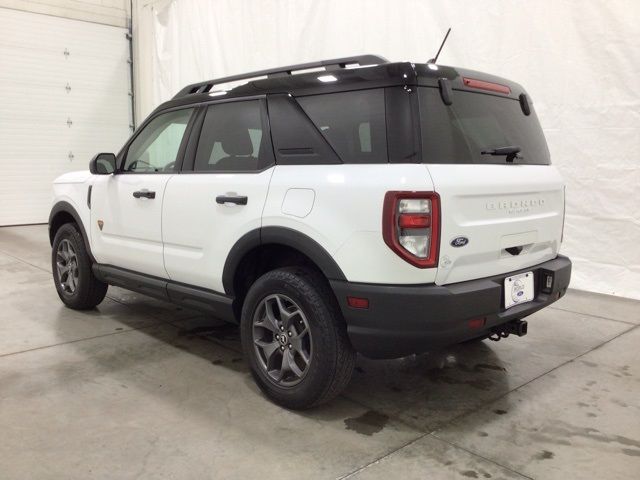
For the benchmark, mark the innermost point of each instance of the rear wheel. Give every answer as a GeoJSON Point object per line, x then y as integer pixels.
{"type": "Point", "coordinates": [75, 283]}
{"type": "Point", "coordinates": [295, 339]}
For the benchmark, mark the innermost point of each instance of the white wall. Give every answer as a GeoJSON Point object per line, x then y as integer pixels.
{"type": "Point", "coordinates": [580, 61]}
{"type": "Point", "coordinates": [64, 96]}
{"type": "Point", "coordinates": [108, 12]}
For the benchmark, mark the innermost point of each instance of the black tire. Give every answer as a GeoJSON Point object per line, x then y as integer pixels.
{"type": "Point", "coordinates": [88, 291]}
{"type": "Point", "coordinates": [332, 358]}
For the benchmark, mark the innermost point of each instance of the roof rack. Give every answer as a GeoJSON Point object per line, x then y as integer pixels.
{"type": "Point", "coordinates": [333, 64]}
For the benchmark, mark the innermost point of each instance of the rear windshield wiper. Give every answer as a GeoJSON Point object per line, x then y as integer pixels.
{"type": "Point", "coordinates": [512, 152]}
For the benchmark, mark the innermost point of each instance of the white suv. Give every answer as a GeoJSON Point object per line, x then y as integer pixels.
{"type": "Point", "coordinates": [350, 205]}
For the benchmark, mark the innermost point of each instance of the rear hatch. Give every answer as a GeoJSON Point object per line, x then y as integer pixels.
{"type": "Point", "coordinates": [501, 211]}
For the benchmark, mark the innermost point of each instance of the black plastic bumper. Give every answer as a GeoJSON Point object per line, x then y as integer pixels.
{"type": "Point", "coordinates": [402, 320]}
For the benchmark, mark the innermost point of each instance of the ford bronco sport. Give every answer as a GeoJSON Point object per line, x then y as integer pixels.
{"type": "Point", "coordinates": [349, 205]}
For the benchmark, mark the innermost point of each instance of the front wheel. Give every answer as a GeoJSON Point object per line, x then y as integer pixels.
{"type": "Point", "coordinates": [75, 283]}
{"type": "Point", "coordinates": [295, 339]}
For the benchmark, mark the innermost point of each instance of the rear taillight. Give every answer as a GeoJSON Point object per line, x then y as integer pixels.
{"type": "Point", "coordinates": [411, 226]}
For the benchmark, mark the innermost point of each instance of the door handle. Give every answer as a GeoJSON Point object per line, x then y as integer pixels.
{"type": "Point", "coordinates": [144, 193]}
{"type": "Point", "coordinates": [237, 199]}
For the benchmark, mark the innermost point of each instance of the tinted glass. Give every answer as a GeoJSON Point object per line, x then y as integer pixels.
{"type": "Point", "coordinates": [232, 139]}
{"type": "Point", "coordinates": [477, 122]}
{"type": "Point", "coordinates": [155, 149]}
{"type": "Point", "coordinates": [352, 122]}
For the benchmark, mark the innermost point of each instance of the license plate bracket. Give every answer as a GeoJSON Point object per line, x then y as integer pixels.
{"type": "Point", "coordinates": [518, 289]}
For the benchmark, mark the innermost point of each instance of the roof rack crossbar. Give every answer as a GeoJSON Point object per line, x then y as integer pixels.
{"type": "Point", "coordinates": [332, 64]}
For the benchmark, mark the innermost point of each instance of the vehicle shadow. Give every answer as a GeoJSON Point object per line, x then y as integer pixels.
{"type": "Point", "coordinates": [422, 391]}
{"type": "Point", "coordinates": [429, 390]}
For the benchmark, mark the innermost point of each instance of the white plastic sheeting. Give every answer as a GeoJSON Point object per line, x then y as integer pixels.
{"type": "Point", "coordinates": [580, 62]}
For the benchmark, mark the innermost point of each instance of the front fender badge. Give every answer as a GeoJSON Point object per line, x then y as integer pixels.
{"type": "Point", "coordinates": [100, 224]}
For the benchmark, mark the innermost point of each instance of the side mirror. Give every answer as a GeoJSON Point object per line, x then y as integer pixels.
{"type": "Point", "coordinates": [103, 164]}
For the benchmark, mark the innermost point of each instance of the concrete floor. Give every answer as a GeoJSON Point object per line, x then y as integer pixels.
{"type": "Point", "coordinates": [142, 389]}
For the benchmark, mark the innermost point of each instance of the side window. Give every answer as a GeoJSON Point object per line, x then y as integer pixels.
{"type": "Point", "coordinates": [232, 139]}
{"type": "Point", "coordinates": [155, 149]}
{"type": "Point", "coordinates": [352, 122]}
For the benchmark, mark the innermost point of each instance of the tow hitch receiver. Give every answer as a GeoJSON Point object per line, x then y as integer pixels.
{"type": "Point", "coordinates": [515, 327]}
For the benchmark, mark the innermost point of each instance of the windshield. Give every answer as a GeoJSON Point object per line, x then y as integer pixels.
{"type": "Point", "coordinates": [476, 123]}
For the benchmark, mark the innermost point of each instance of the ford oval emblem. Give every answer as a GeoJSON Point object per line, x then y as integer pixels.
{"type": "Point", "coordinates": [459, 242]}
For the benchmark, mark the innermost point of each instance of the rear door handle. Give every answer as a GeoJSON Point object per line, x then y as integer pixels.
{"type": "Point", "coordinates": [237, 199]}
{"type": "Point", "coordinates": [144, 194]}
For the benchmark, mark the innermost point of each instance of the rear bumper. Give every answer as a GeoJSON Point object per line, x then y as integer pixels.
{"type": "Point", "coordinates": [402, 320]}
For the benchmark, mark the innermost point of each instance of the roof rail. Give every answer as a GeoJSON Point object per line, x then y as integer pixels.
{"type": "Point", "coordinates": [332, 64]}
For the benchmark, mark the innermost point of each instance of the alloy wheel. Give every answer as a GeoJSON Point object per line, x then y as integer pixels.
{"type": "Point", "coordinates": [282, 340]}
{"type": "Point", "coordinates": [67, 266]}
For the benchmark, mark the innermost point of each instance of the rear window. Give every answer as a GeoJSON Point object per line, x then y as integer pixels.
{"type": "Point", "coordinates": [352, 122]}
{"type": "Point", "coordinates": [477, 122]}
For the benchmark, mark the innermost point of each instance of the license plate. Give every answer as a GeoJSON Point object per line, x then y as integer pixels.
{"type": "Point", "coordinates": [518, 289]}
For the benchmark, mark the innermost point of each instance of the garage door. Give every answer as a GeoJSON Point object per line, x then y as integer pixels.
{"type": "Point", "coordinates": [64, 96]}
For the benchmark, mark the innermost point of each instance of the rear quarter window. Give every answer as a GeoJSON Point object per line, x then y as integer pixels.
{"type": "Point", "coordinates": [353, 123]}
{"type": "Point", "coordinates": [458, 133]}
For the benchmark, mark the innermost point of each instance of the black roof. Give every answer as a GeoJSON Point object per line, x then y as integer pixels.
{"type": "Point", "coordinates": [372, 72]}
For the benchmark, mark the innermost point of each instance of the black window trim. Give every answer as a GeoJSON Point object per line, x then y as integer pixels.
{"type": "Point", "coordinates": [188, 164]}
{"type": "Point", "coordinates": [410, 151]}
{"type": "Point", "coordinates": [299, 155]}
{"type": "Point", "coordinates": [122, 155]}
